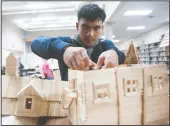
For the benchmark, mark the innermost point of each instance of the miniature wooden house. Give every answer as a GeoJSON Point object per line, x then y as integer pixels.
{"type": "Point", "coordinates": [96, 95]}
{"type": "Point", "coordinates": [29, 102]}
{"type": "Point", "coordinates": [32, 97]}
{"type": "Point", "coordinates": [124, 94]}
{"type": "Point", "coordinates": [11, 68]}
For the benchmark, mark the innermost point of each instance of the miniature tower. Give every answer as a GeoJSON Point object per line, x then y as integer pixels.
{"type": "Point", "coordinates": [11, 65]}
{"type": "Point", "coordinates": [131, 56]}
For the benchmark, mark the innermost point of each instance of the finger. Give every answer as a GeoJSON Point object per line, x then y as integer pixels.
{"type": "Point", "coordinates": [80, 62]}
{"type": "Point", "coordinates": [100, 62]}
{"type": "Point", "coordinates": [108, 65]}
{"type": "Point", "coordinates": [92, 65]}
{"type": "Point", "coordinates": [69, 64]}
{"type": "Point", "coordinates": [74, 64]}
{"type": "Point", "coordinates": [87, 62]}
{"type": "Point", "coordinates": [85, 59]}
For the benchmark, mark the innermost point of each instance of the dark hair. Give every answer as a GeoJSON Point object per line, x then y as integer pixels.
{"type": "Point", "coordinates": [91, 12]}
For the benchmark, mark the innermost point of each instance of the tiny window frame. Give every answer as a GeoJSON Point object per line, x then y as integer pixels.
{"type": "Point", "coordinates": [28, 103]}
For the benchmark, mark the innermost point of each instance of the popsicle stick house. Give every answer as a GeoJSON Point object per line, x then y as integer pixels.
{"type": "Point", "coordinates": [127, 94]}
{"type": "Point", "coordinates": [24, 96]}
{"type": "Point", "coordinates": [132, 95]}
{"type": "Point", "coordinates": [32, 98]}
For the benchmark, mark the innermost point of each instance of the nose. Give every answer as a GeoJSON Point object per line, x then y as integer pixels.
{"type": "Point", "coordinates": [90, 33]}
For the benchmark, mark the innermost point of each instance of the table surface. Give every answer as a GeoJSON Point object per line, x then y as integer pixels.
{"type": "Point", "coordinates": [13, 120]}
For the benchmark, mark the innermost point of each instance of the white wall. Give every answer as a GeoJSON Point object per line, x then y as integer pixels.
{"type": "Point", "coordinates": [4, 56]}
{"type": "Point", "coordinates": [12, 40]}
{"type": "Point", "coordinates": [12, 36]}
{"type": "Point", "coordinates": [28, 58]}
{"type": "Point", "coordinates": [148, 37]}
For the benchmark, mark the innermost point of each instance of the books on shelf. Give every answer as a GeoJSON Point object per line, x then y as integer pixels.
{"type": "Point", "coordinates": [165, 40]}
{"type": "Point", "coordinates": [152, 54]}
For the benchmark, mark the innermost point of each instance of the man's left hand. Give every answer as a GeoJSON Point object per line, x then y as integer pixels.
{"type": "Point", "coordinates": [107, 59]}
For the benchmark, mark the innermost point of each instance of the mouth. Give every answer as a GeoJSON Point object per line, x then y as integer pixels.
{"type": "Point", "coordinates": [89, 41]}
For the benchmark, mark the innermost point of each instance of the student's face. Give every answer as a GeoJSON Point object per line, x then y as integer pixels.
{"type": "Point", "coordinates": [89, 31]}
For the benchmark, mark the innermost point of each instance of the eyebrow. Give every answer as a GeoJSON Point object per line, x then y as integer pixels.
{"type": "Point", "coordinates": [97, 26]}
{"type": "Point", "coordinates": [84, 25]}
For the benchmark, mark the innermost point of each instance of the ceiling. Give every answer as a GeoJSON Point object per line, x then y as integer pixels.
{"type": "Point", "coordinates": [158, 16]}
{"type": "Point", "coordinates": [39, 16]}
{"type": "Point", "coordinates": [50, 15]}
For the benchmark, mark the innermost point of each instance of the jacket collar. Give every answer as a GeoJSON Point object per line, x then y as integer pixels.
{"type": "Point", "coordinates": [77, 40]}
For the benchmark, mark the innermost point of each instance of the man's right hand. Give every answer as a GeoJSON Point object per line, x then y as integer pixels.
{"type": "Point", "coordinates": [77, 58]}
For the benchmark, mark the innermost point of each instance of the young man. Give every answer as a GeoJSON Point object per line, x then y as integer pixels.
{"type": "Point", "coordinates": [85, 50]}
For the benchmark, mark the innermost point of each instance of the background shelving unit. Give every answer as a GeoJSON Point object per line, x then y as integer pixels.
{"type": "Point", "coordinates": [152, 54]}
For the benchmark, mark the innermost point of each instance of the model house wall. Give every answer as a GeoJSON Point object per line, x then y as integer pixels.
{"type": "Point", "coordinates": [129, 95]}
{"type": "Point", "coordinates": [156, 91]}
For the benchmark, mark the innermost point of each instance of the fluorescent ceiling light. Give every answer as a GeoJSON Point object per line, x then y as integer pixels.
{"type": "Point", "coordinates": [20, 12]}
{"type": "Point", "coordinates": [51, 25]}
{"type": "Point", "coordinates": [40, 11]}
{"type": "Point", "coordinates": [58, 10]}
{"type": "Point", "coordinates": [38, 20]}
{"type": "Point", "coordinates": [138, 12]}
{"type": "Point", "coordinates": [136, 28]}
{"type": "Point", "coordinates": [61, 23]}
{"type": "Point", "coordinates": [115, 40]}
{"type": "Point", "coordinates": [45, 24]}
{"type": "Point", "coordinates": [36, 6]}
{"type": "Point", "coordinates": [48, 26]}
{"type": "Point", "coordinates": [113, 36]}
{"type": "Point", "coordinates": [43, 19]}
{"type": "Point", "coordinates": [43, 5]}
{"type": "Point", "coordinates": [52, 29]}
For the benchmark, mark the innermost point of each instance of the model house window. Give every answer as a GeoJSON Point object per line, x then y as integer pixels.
{"type": "Point", "coordinates": [28, 103]}
{"type": "Point", "coordinates": [158, 83]}
{"type": "Point", "coordinates": [131, 86]}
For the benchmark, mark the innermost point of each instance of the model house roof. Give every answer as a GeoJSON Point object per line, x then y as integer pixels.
{"type": "Point", "coordinates": [12, 85]}
{"type": "Point", "coordinates": [131, 56]}
{"type": "Point", "coordinates": [49, 90]}
{"type": "Point", "coordinates": [29, 90]}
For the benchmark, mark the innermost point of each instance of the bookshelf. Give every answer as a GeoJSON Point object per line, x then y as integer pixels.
{"type": "Point", "coordinates": [152, 54]}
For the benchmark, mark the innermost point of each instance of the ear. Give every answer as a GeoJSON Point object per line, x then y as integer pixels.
{"type": "Point", "coordinates": [77, 25]}
{"type": "Point", "coordinates": [102, 27]}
